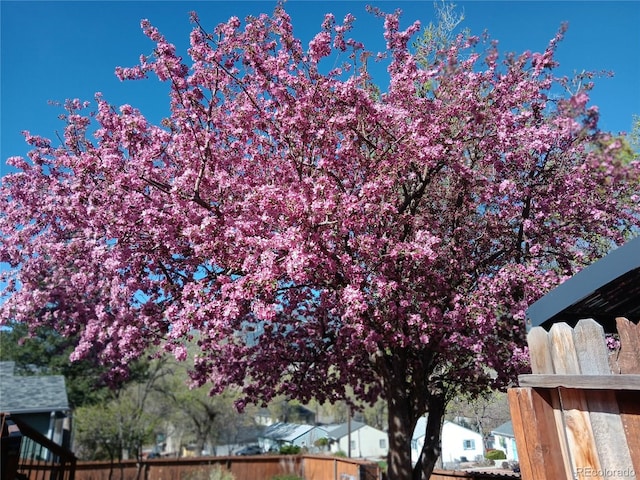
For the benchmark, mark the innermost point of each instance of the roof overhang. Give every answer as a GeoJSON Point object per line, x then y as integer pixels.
{"type": "Point", "coordinates": [59, 411]}
{"type": "Point", "coordinates": [607, 289]}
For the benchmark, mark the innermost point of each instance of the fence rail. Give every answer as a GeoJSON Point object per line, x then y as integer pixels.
{"type": "Point", "coordinates": [577, 416]}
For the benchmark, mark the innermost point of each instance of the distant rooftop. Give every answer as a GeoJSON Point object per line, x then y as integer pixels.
{"type": "Point", "coordinates": [607, 289]}
{"type": "Point", "coordinates": [341, 430]}
{"type": "Point", "coordinates": [31, 394]}
{"type": "Point", "coordinates": [505, 430]}
{"type": "Point", "coordinates": [287, 432]}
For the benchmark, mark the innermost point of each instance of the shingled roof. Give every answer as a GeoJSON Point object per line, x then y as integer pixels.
{"type": "Point", "coordinates": [31, 394]}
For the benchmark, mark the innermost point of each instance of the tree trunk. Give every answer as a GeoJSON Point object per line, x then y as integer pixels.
{"type": "Point", "coordinates": [432, 447]}
{"type": "Point", "coordinates": [401, 425]}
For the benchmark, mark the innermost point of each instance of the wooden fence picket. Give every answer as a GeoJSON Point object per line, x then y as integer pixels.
{"type": "Point", "coordinates": [629, 402]}
{"type": "Point", "coordinates": [583, 453]}
{"type": "Point", "coordinates": [629, 357]}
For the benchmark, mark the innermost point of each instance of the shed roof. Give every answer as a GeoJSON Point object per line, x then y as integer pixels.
{"type": "Point", "coordinates": [31, 394]}
{"type": "Point", "coordinates": [607, 289]}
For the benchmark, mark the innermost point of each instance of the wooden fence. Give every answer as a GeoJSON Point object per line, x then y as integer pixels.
{"type": "Point", "coordinates": [262, 467]}
{"type": "Point", "coordinates": [259, 467]}
{"type": "Point", "coordinates": [578, 415]}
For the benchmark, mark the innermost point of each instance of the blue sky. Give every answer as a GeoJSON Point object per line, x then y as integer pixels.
{"type": "Point", "coordinates": [55, 50]}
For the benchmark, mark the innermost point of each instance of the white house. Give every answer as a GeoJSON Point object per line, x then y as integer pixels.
{"type": "Point", "coordinates": [365, 441]}
{"type": "Point", "coordinates": [505, 440]}
{"type": "Point", "coordinates": [459, 444]}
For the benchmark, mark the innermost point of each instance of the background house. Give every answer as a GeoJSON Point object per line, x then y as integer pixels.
{"type": "Point", "coordinates": [39, 401]}
{"type": "Point", "coordinates": [366, 441]}
{"type": "Point", "coordinates": [459, 444]}
{"type": "Point", "coordinates": [280, 434]}
{"type": "Point", "coordinates": [505, 440]}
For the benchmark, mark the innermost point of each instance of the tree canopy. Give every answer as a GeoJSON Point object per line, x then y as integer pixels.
{"type": "Point", "coordinates": [317, 231]}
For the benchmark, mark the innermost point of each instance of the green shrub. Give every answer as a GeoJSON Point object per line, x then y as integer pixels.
{"type": "Point", "coordinates": [495, 455]}
{"type": "Point", "coordinates": [322, 442]}
{"type": "Point", "coordinates": [289, 449]}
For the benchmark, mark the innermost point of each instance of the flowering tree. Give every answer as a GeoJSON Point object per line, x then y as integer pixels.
{"type": "Point", "coordinates": [313, 233]}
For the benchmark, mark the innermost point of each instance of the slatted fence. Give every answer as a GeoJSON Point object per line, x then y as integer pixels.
{"type": "Point", "coordinates": [262, 467]}
{"type": "Point", "coordinates": [577, 416]}
{"type": "Point", "coordinates": [259, 467]}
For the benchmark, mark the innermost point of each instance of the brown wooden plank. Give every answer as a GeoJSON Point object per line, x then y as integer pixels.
{"type": "Point", "coordinates": [580, 439]}
{"type": "Point", "coordinates": [554, 433]}
{"type": "Point", "coordinates": [581, 443]}
{"type": "Point", "coordinates": [608, 432]}
{"type": "Point", "coordinates": [518, 406]}
{"type": "Point", "coordinates": [561, 434]}
{"type": "Point", "coordinates": [629, 356]}
{"type": "Point", "coordinates": [536, 435]}
{"type": "Point", "coordinates": [629, 405]}
{"type": "Point", "coordinates": [584, 382]}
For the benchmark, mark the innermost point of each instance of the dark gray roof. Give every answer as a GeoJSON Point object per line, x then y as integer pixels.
{"type": "Point", "coordinates": [506, 430]}
{"type": "Point", "coordinates": [607, 289]}
{"type": "Point", "coordinates": [342, 430]}
{"type": "Point", "coordinates": [31, 394]}
{"type": "Point", "coordinates": [286, 431]}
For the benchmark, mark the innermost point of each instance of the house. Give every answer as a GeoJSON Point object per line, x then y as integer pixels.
{"type": "Point", "coordinates": [358, 439]}
{"type": "Point", "coordinates": [459, 444]}
{"type": "Point", "coordinates": [39, 401]}
{"type": "Point", "coordinates": [505, 440]}
{"type": "Point", "coordinates": [280, 434]}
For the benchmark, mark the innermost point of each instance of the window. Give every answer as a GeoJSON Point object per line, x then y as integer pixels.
{"type": "Point", "coordinates": [469, 444]}
{"type": "Point", "coordinates": [353, 444]}
{"type": "Point", "coordinates": [383, 443]}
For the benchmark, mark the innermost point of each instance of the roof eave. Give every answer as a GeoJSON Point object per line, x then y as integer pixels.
{"type": "Point", "coordinates": [22, 411]}
{"type": "Point", "coordinates": [573, 294]}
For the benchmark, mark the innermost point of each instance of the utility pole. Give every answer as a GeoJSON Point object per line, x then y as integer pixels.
{"type": "Point", "coordinates": [348, 431]}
